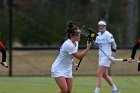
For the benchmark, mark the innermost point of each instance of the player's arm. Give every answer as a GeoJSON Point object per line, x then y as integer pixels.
{"type": "Point", "coordinates": [3, 51]}
{"type": "Point", "coordinates": [111, 39]}
{"type": "Point", "coordinates": [80, 55]}
{"type": "Point", "coordinates": [134, 50]}
{"type": "Point", "coordinates": [113, 47]}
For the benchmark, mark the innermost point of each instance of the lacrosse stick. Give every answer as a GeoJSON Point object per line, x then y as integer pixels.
{"type": "Point", "coordinates": [90, 37]}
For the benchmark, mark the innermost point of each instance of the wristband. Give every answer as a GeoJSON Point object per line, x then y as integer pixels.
{"type": "Point", "coordinates": [113, 50]}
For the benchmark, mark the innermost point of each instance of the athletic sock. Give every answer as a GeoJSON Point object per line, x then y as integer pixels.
{"type": "Point", "coordinates": [114, 88]}
{"type": "Point", "coordinates": [97, 90]}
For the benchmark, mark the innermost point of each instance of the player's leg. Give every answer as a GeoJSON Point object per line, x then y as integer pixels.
{"type": "Point", "coordinates": [69, 84]}
{"type": "Point", "coordinates": [100, 72]}
{"type": "Point", "coordinates": [110, 81]}
{"type": "Point", "coordinates": [108, 78]}
{"type": "Point", "coordinates": [62, 83]}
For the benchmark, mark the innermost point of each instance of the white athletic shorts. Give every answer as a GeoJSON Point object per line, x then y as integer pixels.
{"type": "Point", "coordinates": [67, 74]}
{"type": "Point", "coordinates": [104, 61]}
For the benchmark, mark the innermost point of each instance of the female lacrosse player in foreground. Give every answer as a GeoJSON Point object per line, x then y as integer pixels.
{"type": "Point", "coordinates": [3, 51]}
{"type": "Point", "coordinates": [105, 41]}
{"type": "Point", "coordinates": [62, 67]}
{"type": "Point", "coordinates": [134, 50]}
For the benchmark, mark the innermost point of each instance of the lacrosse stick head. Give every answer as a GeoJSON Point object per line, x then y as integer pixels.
{"type": "Point", "coordinates": [91, 35]}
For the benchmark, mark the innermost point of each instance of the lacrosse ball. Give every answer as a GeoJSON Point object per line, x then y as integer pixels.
{"type": "Point", "coordinates": [92, 35]}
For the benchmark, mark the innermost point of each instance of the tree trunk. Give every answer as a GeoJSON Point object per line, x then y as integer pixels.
{"type": "Point", "coordinates": [1, 3]}
{"type": "Point", "coordinates": [95, 11]}
{"type": "Point", "coordinates": [132, 14]}
{"type": "Point", "coordinates": [107, 10]}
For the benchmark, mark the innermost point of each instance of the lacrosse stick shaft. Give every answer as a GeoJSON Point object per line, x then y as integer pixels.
{"type": "Point", "coordinates": [79, 64]}
{"type": "Point", "coordinates": [110, 58]}
{"type": "Point", "coordinates": [87, 35]}
{"type": "Point", "coordinates": [137, 61]}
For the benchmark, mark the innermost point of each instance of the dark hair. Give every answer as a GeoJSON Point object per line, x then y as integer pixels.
{"type": "Point", "coordinates": [71, 30]}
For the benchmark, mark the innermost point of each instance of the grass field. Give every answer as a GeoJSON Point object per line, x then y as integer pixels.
{"type": "Point", "coordinates": [38, 63]}
{"type": "Point", "coordinates": [80, 84]}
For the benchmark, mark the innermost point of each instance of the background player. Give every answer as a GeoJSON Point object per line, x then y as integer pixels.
{"type": "Point", "coordinates": [106, 42]}
{"type": "Point", "coordinates": [134, 50]}
{"type": "Point", "coordinates": [3, 51]}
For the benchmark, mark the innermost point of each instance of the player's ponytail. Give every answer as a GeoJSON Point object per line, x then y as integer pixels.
{"type": "Point", "coordinates": [71, 29]}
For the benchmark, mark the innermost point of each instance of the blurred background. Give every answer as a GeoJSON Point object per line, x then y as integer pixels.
{"type": "Point", "coordinates": [38, 30]}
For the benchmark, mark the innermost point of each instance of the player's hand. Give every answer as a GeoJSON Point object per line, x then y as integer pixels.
{"type": "Point", "coordinates": [88, 45]}
{"type": "Point", "coordinates": [129, 60]}
{"type": "Point", "coordinates": [4, 64]}
{"type": "Point", "coordinates": [75, 65]}
{"type": "Point", "coordinates": [113, 54]}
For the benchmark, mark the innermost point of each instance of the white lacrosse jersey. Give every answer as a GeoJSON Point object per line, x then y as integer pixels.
{"type": "Point", "coordinates": [104, 42]}
{"type": "Point", "coordinates": [64, 60]}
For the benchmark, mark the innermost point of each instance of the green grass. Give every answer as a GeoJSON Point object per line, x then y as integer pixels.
{"type": "Point", "coordinates": [39, 63]}
{"type": "Point", "coordinates": [127, 84]}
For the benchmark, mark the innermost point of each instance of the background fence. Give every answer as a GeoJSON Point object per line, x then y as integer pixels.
{"type": "Point", "coordinates": [38, 63]}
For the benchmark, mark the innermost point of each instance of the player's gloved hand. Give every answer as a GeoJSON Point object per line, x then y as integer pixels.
{"type": "Point", "coordinates": [4, 64]}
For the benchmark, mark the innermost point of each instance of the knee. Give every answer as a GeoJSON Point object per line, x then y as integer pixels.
{"type": "Point", "coordinates": [100, 74]}
{"type": "Point", "coordinates": [105, 76]}
{"type": "Point", "coordinates": [64, 90]}
{"type": "Point", "coordinates": [69, 90]}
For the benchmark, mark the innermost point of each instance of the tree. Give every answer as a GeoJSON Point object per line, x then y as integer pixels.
{"type": "Point", "coordinates": [131, 21]}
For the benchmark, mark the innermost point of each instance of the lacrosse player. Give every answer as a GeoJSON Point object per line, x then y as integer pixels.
{"type": "Point", "coordinates": [134, 50]}
{"type": "Point", "coordinates": [106, 42]}
{"type": "Point", "coordinates": [3, 51]}
{"type": "Point", "coordinates": [62, 67]}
